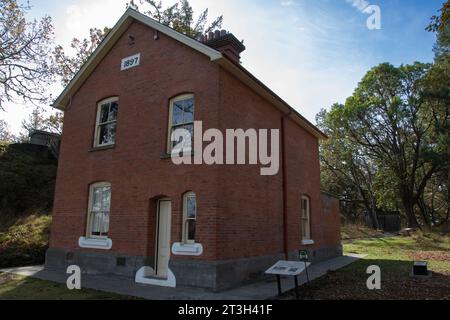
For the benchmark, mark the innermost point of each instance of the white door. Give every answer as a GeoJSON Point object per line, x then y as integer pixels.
{"type": "Point", "coordinates": [163, 238]}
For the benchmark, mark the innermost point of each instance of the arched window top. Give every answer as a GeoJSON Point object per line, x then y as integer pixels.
{"type": "Point", "coordinates": [182, 96]}
{"type": "Point", "coordinates": [189, 194]}
{"type": "Point", "coordinates": [100, 184]}
{"type": "Point", "coordinates": [108, 100]}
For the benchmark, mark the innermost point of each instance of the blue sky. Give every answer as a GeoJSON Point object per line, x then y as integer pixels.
{"type": "Point", "coordinates": [311, 52]}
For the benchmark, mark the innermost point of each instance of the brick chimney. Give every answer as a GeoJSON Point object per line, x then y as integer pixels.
{"type": "Point", "coordinates": [226, 43]}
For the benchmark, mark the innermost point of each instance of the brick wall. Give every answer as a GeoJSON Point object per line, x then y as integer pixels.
{"type": "Point", "coordinates": [239, 211]}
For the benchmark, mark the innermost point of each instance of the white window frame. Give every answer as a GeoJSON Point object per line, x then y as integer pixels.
{"type": "Point", "coordinates": [92, 187]}
{"type": "Point", "coordinates": [305, 219]}
{"type": "Point", "coordinates": [185, 229]}
{"type": "Point", "coordinates": [98, 125]}
{"type": "Point", "coordinates": [171, 126]}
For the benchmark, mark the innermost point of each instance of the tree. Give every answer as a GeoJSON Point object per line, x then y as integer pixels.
{"type": "Point", "coordinates": [439, 22]}
{"type": "Point", "coordinates": [5, 135]}
{"type": "Point", "coordinates": [66, 66]}
{"type": "Point", "coordinates": [346, 172]}
{"type": "Point", "coordinates": [24, 50]}
{"type": "Point", "coordinates": [38, 121]}
{"type": "Point", "coordinates": [442, 46]}
{"type": "Point", "coordinates": [391, 139]}
{"type": "Point", "coordinates": [180, 17]}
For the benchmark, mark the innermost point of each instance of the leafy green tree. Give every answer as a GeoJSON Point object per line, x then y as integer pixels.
{"type": "Point", "coordinates": [346, 171]}
{"type": "Point", "coordinates": [25, 71]}
{"type": "Point", "coordinates": [390, 139]}
{"type": "Point", "coordinates": [441, 21]}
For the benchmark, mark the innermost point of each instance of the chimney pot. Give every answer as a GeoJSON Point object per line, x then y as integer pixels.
{"type": "Point", "coordinates": [226, 43]}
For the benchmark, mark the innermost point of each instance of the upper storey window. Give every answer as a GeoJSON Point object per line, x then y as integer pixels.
{"type": "Point", "coordinates": [105, 129]}
{"type": "Point", "coordinates": [181, 117]}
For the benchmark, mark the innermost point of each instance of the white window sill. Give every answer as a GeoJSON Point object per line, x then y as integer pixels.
{"type": "Point", "coordinates": [307, 242]}
{"type": "Point", "coordinates": [182, 249]}
{"type": "Point", "coordinates": [101, 244]}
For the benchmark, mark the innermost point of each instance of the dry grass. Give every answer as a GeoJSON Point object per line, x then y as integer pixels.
{"type": "Point", "coordinates": [24, 241]}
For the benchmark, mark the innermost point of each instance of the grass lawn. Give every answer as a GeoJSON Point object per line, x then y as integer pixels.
{"type": "Point", "coordinates": [23, 242]}
{"type": "Point", "coordinates": [14, 287]}
{"type": "Point", "coordinates": [395, 256]}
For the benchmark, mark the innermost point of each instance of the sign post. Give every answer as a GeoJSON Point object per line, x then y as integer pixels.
{"type": "Point", "coordinates": [304, 257]}
{"type": "Point", "coordinates": [288, 268]}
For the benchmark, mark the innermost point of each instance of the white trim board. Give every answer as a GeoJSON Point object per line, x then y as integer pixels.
{"type": "Point", "coordinates": [181, 249]}
{"type": "Point", "coordinates": [102, 244]}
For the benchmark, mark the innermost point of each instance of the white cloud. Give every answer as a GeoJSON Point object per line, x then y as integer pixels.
{"type": "Point", "coordinates": [361, 5]}
{"type": "Point", "coordinates": [288, 3]}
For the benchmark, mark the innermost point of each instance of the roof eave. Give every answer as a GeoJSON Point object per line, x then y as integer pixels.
{"type": "Point", "coordinates": [113, 36]}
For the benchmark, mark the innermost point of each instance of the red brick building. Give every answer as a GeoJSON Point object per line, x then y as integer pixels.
{"type": "Point", "coordinates": [121, 205]}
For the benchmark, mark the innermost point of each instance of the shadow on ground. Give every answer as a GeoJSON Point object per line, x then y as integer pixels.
{"type": "Point", "coordinates": [349, 283]}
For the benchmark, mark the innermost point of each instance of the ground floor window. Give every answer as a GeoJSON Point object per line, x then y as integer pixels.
{"type": "Point", "coordinates": [99, 209]}
{"type": "Point", "coordinates": [189, 217]}
{"type": "Point", "coordinates": [306, 218]}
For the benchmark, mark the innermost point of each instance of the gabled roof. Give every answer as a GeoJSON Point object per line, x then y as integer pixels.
{"type": "Point", "coordinates": [240, 72]}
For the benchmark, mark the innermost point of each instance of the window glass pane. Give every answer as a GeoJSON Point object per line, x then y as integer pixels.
{"type": "Point", "coordinates": [105, 227]}
{"type": "Point", "coordinates": [186, 140]}
{"type": "Point", "coordinates": [97, 200]}
{"type": "Point", "coordinates": [191, 208]}
{"type": "Point", "coordinates": [188, 106]}
{"type": "Point", "coordinates": [113, 111]}
{"type": "Point", "coordinates": [191, 230]}
{"type": "Point", "coordinates": [95, 223]}
{"type": "Point", "coordinates": [305, 208]}
{"type": "Point", "coordinates": [106, 199]}
{"type": "Point", "coordinates": [104, 113]}
{"type": "Point", "coordinates": [177, 113]}
{"type": "Point", "coordinates": [189, 143]}
{"type": "Point", "coordinates": [175, 143]}
{"type": "Point", "coordinates": [107, 134]}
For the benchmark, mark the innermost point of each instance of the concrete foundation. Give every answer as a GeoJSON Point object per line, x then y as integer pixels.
{"type": "Point", "coordinates": [211, 275]}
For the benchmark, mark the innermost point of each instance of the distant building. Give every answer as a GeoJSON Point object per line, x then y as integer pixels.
{"type": "Point", "coordinates": [47, 139]}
